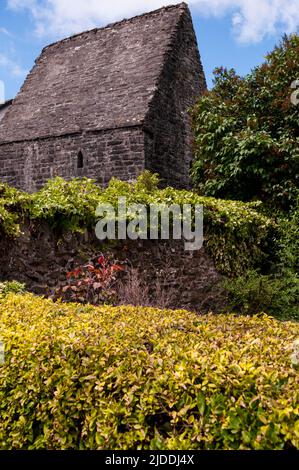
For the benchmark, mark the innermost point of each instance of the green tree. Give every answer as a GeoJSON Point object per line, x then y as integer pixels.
{"type": "Point", "coordinates": [247, 132]}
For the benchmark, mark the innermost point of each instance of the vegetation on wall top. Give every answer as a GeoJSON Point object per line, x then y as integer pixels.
{"type": "Point", "coordinates": [229, 226]}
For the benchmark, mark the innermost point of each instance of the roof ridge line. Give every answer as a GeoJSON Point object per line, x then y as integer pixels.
{"type": "Point", "coordinates": [179, 6]}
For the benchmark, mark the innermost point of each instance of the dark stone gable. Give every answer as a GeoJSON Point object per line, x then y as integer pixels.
{"type": "Point", "coordinates": [4, 108]}
{"type": "Point", "coordinates": [108, 102]}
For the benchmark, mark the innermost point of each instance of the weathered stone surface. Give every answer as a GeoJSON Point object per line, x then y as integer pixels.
{"type": "Point", "coordinates": [117, 152]}
{"type": "Point", "coordinates": [4, 108]}
{"type": "Point", "coordinates": [119, 94]}
{"type": "Point", "coordinates": [41, 257]}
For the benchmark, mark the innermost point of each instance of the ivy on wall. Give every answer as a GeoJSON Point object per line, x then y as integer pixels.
{"type": "Point", "coordinates": [235, 233]}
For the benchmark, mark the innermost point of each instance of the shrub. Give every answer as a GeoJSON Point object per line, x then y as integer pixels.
{"type": "Point", "coordinates": [8, 222]}
{"type": "Point", "coordinates": [81, 377]}
{"type": "Point", "coordinates": [254, 292]}
{"type": "Point", "coordinates": [246, 132]}
{"type": "Point", "coordinates": [91, 283]}
{"type": "Point", "coordinates": [13, 204]}
{"type": "Point", "coordinates": [277, 292]}
{"type": "Point", "coordinates": [66, 204]}
{"type": "Point", "coordinates": [287, 242]}
{"type": "Point", "coordinates": [11, 287]}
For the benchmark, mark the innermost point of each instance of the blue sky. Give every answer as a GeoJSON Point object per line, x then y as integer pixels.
{"type": "Point", "coordinates": [232, 33]}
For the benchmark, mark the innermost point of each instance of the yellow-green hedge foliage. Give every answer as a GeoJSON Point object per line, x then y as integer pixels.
{"type": "Point", "coordinates": [139, 378]}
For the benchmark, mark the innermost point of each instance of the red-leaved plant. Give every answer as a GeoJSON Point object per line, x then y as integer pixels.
{"type": "Point", "coordinates": [91, 283]}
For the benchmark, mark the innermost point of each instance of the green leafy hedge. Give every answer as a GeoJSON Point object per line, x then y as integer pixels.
{"type": "Point", "coordinates": [235, 233]}
{"type": "Point", "coordinates": [70, 204]}
{"type": "Point", "coordinates": [63, 204]}
{"type": "Point", "coordinates": [80, 377]}
{"type": "Point", "coordinates": [230, 226]}
{"type": "Point", "coordinates": [8, 287]}
{"type": "Point", "coordinates": [12, 203]}
{"type": "Point", "coordinates": [254, 292]}
{"type": "Point", "coordinates": [275, 291]}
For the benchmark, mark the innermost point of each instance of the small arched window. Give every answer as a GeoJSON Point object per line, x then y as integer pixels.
{"type": "Point", "coordinates": [80, 161]}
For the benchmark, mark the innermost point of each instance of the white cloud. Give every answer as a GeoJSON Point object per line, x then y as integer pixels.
{"type": "Point", "coordinates": [5, 31]}
{"type": "Point", "coordinates": [252, 20]}
{"type": "Point", "coordinates": [13, 67]}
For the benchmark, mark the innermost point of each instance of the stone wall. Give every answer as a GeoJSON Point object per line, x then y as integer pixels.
{"type": "Point", "coordinates": [169, 138]}
{"type": "Point", "coordinates": [4, 107]}
{"type": "Point", "coordinates": [116, 152]}
{"type": "Point", "coordinates": [41, 257]}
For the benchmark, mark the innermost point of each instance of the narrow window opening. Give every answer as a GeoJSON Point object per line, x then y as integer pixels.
{"type": "Point", "coordinates": [80, 160]}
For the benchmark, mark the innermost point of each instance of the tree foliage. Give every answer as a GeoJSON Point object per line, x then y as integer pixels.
{"type": "Point", "coordinates": [247, 132]}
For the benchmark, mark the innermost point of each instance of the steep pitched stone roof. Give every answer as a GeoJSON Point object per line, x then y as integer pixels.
{"type": "Point", "coordinates": [100, 79]}
{"type": "Point", "coordinates": [5, 104]}
{"type": "Point", "coordinates": [4, 108]}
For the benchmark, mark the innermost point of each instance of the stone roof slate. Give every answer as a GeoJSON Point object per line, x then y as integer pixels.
{"type": "Point", "coordinates": [101, 79]}
{"type": "Point", "coordinates": [5, 104]}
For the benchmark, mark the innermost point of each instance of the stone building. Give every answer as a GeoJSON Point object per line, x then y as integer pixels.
{"type": "Point", "coordinates": [108, 102]}
{"type": "Point", "coordinates": [4, 108]}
